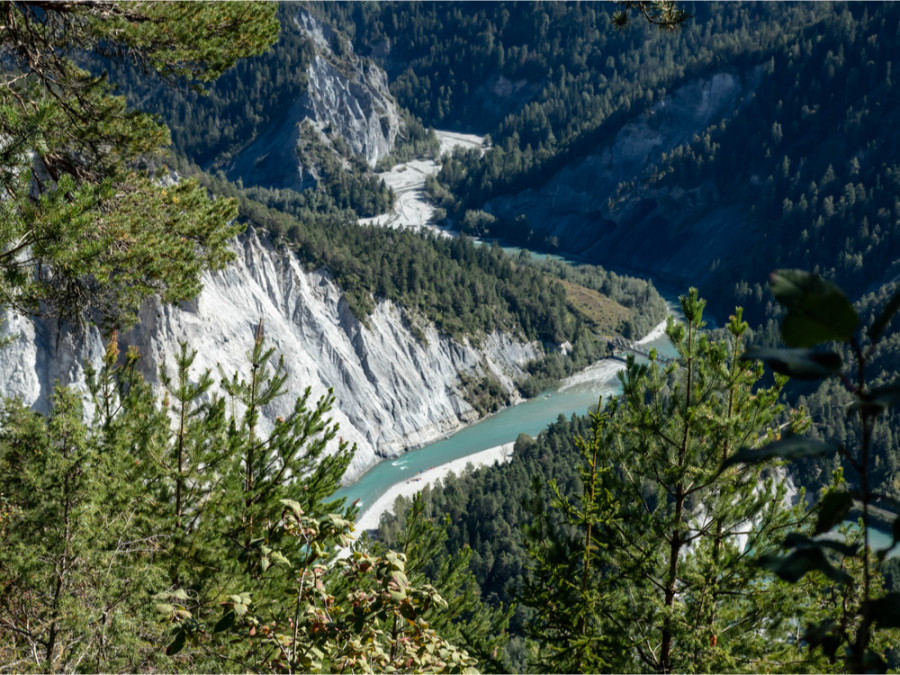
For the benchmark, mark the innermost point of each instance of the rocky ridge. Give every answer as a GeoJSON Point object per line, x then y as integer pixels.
{"type": "Point", "coordinates": [393, 391]}
{"type": "Point", "coordinates": [347, 108]}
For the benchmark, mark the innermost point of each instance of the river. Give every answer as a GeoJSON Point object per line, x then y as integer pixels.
{"type": "Point", "coordinates": [575, 395]}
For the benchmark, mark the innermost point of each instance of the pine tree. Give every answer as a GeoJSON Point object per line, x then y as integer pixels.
{"type": "Point", "coordinates": [77, 549]}
{"type": "Point", "coordinates": [567, 588]}
{"type": "Point", "coordinates": [682, 546]}
{"type": "Point", "coordinates": [86, 227]}
{"type": "Point", "coordinates": [291, 595]}
{"type": "Point", "coordinates": [188, 517]}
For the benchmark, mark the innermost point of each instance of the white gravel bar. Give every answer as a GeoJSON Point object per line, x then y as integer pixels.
{"type": "Point", "coordinates": [368, 520]}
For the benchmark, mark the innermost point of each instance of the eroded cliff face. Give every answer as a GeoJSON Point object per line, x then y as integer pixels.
{"type": "Point", "coordinates": [392, 391]}
{"type": "Point", "coordinates": [347, 98]}
{"type": "Point", "coordinates": [642, 228]}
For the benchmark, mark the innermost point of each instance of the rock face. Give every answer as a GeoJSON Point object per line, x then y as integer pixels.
{"type": "Point", "coordinates": [347, 97]}
{"type": "Point", "coordinates": [642, 228]}
{"type": "Point", "coordinates": [392, 391]}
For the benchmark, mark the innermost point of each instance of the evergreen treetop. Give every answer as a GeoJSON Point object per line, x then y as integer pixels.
{"type": "Point", "coordinates": [87, 230]}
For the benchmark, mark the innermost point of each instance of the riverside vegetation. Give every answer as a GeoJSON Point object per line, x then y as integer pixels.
{"type": "Point", "coordinates": [181, 532]}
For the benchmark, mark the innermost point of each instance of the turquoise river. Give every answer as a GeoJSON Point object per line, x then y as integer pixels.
{"type": "Point", "coordinates": [529, 417]}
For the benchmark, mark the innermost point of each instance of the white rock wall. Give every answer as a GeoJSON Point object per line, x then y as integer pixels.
{"type": "Point", "coordinates": [392, 392]}
{"type": "Point", "coordinates": [353, 102]}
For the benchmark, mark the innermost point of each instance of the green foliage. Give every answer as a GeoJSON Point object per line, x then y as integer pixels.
{"type": "Point", "coordinates": [86, 228]}
{"type": "Point", "coordinates": [74, 549]}
{"type": "Point", "coordinates": [680, 548]}
{"type": "Point", "coordinates": [360, 613]}
{"type": "Point", "coordinates": [245, 100]}
{"type": "Point", "coordinates": [465, 620]}
{"type": "Point", "coordinates": [642, 543]}
{"type": "Point", "coordinates": [191, 518]}
{"type": "Point", "coordinates": [566, 588]}
{"type": "Point", "coordinates": [817, 311]}
{"type": "Point", "coordinates": [576, 81]}
{"type": "Point", "coordinates": [415, 142]}
{"type": "Point", "coordinates": [816, 172]}
{"type": "Point", "coordinates": [464, 289]}
{"type": "Point", "coordinates": [482, 513]}
{"type": "Point", "coordinates": [295, 447]}
{"type": "Point", "coordinates": [485, 393]}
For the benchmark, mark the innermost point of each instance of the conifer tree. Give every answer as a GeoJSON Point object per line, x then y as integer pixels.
{"type": "Point", "coordinates": [146, 525]}
{"type": "Point", "coordinates": [651, 565]}
{"type": "Point", "coordinates": [288, 599]}
{"type": "Point", "coordinates": [567, 588]}
{"type": "Point", "coordinates": [86, 228]}
{"type": "Point", "coordinates": [76, 554]}
{"type": "Point", "coordinates": [693, 598]}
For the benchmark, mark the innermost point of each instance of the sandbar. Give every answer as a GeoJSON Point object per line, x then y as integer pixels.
{"type": "Point", "coordinates": [369, 519]}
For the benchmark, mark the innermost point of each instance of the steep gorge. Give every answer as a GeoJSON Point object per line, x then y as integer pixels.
{"type": "Point", "coordinates": [345, 111]}
{"type": "Point", "coordinates": [393, 391]}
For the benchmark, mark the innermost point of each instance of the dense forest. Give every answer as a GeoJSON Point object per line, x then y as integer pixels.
{"type": "Point", "coordinates": [618, 476]}
{"type": "Point", "coordinates": [715, 517]}
{"type": "Point", "coordinates": [814, 170]}
{"type": "Point", "coordinates": [463, 288]}
{"type": "Point", "coordinates": [815, 166]}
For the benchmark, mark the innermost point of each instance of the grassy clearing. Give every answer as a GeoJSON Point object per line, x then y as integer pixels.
{"type": "Point", "coordinates": [603, 314]}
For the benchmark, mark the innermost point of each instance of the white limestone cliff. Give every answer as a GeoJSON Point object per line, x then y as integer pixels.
{"type": "Point", "coordinates": [393, 392]}
{"type": "Point", "coordinates": [346, 97]}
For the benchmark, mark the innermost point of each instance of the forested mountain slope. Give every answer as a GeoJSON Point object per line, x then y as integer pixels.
{"type": "Point", "coordinates": [154, 518]}
{"type": "Point", "coordinates": [796, 169]}
{"type": "Point", "coordinates": [752, 128]}
{"type": "Point", "coordinates": [757, 136]}
{"type": "Point", "coordinates": [416, 335]}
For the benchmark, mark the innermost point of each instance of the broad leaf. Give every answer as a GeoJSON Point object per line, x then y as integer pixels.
{"type": "Point", "coordinates": [833, 508]}
{"type": "Point", "coordinates": [879, 398]}
{"type": "Point", "coordinates": [294, 506]}
{"type": "Point", "coordinates": [280, 559]}
{"type": "Point", "coordinates": [226, 622]}
{"type": "Point", "coordinates": [792, 447]}
{"type": "Point", "coordinates": [797, 564]}
{"type": "Point", "coordinates": [797, 540]}
{"type": "Point", "coordinates": [824, 635]}
{"type": "Point", "coordinates": [818, 311]}
{"type": "Point", "coordinates": [800, 364]}
{"type": "Point", "coordinates": [177, 644]}
{"type": "Point", "coordinates": [876, 330]}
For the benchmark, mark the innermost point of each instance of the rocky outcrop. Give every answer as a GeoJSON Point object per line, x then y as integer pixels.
{"type": "Point", "coordinates": [392, 390]}
{"type": "Point", "coordinates": [347, 98]}
{"type": "Point", "coordinates": [641, 228]}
